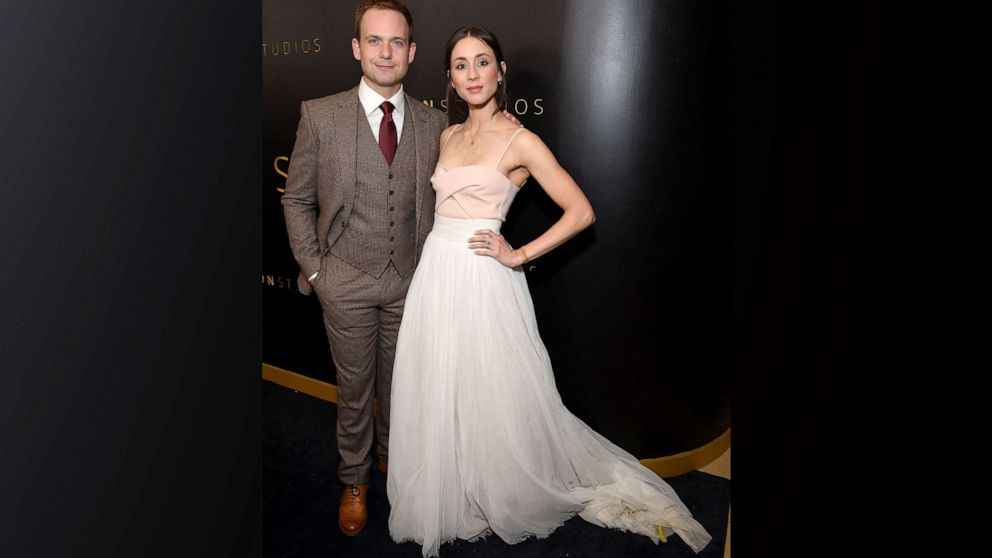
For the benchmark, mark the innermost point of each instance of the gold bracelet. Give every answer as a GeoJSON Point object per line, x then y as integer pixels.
{"type": "Point", "coordinates": [526, 259]}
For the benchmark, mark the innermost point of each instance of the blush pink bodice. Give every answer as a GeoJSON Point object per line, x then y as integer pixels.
{"type": "Point", "coordinates": [473, 191]}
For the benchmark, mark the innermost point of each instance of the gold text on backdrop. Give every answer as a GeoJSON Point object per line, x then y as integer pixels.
{"type": "Point", "coordinates": [284, 48]}
{"type": "Point", "coordinates": [279, 171]}
{"type": "Point", "coordinates": [532, 107]}
{"type": "Point", "coordinates": [278, 282]}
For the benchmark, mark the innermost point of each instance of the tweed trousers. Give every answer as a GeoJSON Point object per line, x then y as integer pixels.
{"type": "Point", "coordinates": [362, 317]}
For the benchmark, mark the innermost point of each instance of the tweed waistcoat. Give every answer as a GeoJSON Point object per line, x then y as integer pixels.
{"type": "Point", "coordinates": [383, 221]}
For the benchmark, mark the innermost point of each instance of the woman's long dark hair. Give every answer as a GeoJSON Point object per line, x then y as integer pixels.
{"type": "Point", "coordinates": [457, 109]}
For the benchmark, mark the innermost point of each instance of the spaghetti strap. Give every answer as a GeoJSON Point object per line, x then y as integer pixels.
{"type": "Point", "coordinates": [447, 140]}
{"type": "Point", "coordinates": [507, 148]}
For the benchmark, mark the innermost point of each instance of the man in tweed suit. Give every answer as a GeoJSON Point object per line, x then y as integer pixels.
{"type": "Point", "coordinates": [358, 207]}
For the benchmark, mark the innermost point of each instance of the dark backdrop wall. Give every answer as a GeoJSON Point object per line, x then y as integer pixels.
{"type": "Point", "coordinates": [633, 97]}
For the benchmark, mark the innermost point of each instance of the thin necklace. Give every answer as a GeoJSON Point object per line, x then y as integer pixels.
{"type": "Point", "coordinates": [471, 140]}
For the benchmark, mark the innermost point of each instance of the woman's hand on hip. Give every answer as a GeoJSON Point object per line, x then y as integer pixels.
{"type": "Point", "coordinates": [489, 243]}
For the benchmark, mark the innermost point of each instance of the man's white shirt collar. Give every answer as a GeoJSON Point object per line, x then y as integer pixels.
{"type": "Point", "coordinates": [371, 100]}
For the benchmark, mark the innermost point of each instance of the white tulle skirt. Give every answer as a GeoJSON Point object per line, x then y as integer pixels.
{"type": "Point", "coordinates": [480, 441]}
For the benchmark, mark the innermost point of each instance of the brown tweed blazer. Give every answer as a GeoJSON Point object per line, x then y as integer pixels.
{"type": "Point", "coordinates": [320, 189]}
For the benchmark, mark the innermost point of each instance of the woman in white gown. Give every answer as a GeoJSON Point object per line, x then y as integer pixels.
{"type": "Point", "coordinates": [480, 441]}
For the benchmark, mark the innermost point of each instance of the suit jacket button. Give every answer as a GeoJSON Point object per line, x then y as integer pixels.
{"type": "Point", "coordinates": [390, 175]}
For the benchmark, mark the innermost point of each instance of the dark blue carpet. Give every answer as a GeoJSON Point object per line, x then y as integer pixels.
{"type": "Point", "coordinates": [301, 494]}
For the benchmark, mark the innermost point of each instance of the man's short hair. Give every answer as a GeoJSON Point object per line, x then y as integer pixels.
{"type": "Point", "coordinates": [394, 5]}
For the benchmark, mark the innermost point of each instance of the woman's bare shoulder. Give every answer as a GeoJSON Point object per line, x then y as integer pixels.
{"type": "Point", "coordinates": [527, 140]}
{"type": "Point", "coordinates": [446, 133]}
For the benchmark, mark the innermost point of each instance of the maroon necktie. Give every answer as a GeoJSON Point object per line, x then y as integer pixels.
{"type": "Point", "coordinates": [387, 132]}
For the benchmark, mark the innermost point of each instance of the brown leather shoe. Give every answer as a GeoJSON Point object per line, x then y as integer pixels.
{"type": "Point", "coordinates": [382, 466]}
{"type": "Point", "coordinates": [352, 514]}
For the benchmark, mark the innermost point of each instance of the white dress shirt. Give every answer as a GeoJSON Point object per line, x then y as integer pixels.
{"type": "Point", "coordinates": [370, 104]}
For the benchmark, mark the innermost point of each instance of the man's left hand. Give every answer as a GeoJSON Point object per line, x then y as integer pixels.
{"type": "Point", "coordinates": [507, 115]}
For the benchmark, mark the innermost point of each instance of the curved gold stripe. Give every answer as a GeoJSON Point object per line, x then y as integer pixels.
{"type": "Point", "coordinates": [691, 460]}
{"type": "Point", "coordinates": [668, 466]}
